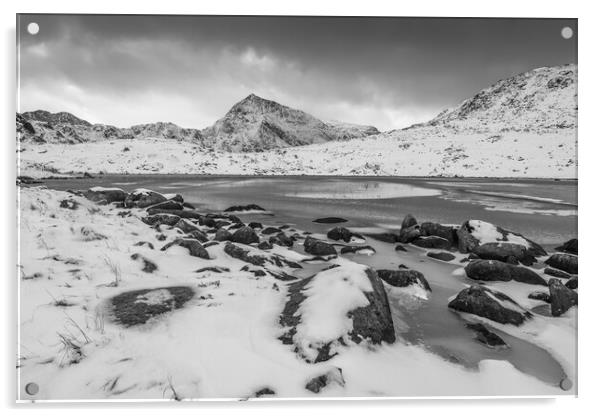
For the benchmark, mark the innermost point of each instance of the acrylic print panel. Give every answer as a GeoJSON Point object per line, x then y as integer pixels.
{"type": "Point", "coordinates": [235, 207]}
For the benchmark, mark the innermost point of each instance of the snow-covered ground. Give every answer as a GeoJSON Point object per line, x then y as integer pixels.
{"type": "Point", "coordinates": [223, 342]}
{"type": "Point", "coordinates": [424, 151]}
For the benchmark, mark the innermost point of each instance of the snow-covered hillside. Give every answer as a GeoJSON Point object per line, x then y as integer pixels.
{"type": "Point", "coordinates": [524, 126]}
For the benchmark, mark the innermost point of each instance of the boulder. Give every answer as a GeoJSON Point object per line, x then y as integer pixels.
{"type": "Point", "coordinates": [255, 225]}
{"type": "Point", "coordinates": [489, 304]}
{"type": "Point", "coordinates": [435, 229]}
{"type": "Point", "coordinates": [526, 276]}
{"type": "Point", "coordinates": [487, 337]}
{"type": "Point", "coordinates": [487, 270]}
{"type": "Point", "coordinates": [506, 252]}
{"type": "Point", "coordinates": [564, 262]}
{"type": "Point", "coordinates": [317, 247]}
{"type": "Point", "coordinates": [143, 198]}
{"type": "Point", "coordinates": [187, 226]}
{"type": "Point", "coordinates": [561, 297]}
{"type": "Point", "coordinates": [167, 205]}
{"type": "Point", "coordinates": [166, 219]}
{"type": "Point", "coordinates": [245, 235]}
{"type": "Point", "coordinates": [572, 283]}
{"type": "Point", "coordinates": [371, 322]}
{"type": "Point", "coordinates": [442, 256]}
{"type": "Point", "coordinates": [265, 245]}
{"type": "Point", "coordinates": [403, 278]}
{"type": "Point", "coordinates": [341, 233]}
{"type": "Point", "coordinates": [330, 220]}
{"type": "Point", "coordinates": [400, 248]}
{"type": "Point", "coordinates": [105, 195]}
{"type": "Point", "coordinates": [270, 230]}
{"type": "Point", "coordinates": [222, 235]}
{"type": "Point", "coordinates": [248, 207]}
{"type": "Point", "coordinates": [195, 248]}
{"type": "Point", "coordinates": [557, 273]}
{"type": "Point", "coordinates": [185, 214]}
{"type": "Point", "coordinates": [540, 295]}
{"type": "Point", "coordinates": [408, 221]}
{"type": "Point", "coordinates": [281, 239]}
{"type": "Point", "coordinates": [362, 250]}
{"type": "Point", "coordinates": [198, 235]}
{"type": "Point", "coordinates": [409, 234]}
{"type": "Point", "coordinates": [570, 246]}
{"type": "Point", "coordinates": [333, 376]}
{"type": "Point", "coordinates": [237, 252]}
{"type": "Point", "coordinates": [432, 242]}
{"type": "Point", "coordinates": [473, 233]}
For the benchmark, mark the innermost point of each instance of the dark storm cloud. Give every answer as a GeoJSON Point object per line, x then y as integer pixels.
{"type": "Point", "coordinates": [190, 69]}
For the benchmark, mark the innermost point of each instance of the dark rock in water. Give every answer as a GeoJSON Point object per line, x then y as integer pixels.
{"type": "Point", "coordinates": [281, 239]}
{"type": "Point", "coordinates": [242, 254]}
{"type": "Point", "coordinates": [166, 219]}
{"type": "Point", "coordinates": [263, 392]}
{"type": "Point", "coordinates": [408, 221]}
{"type": "Point", "coordinates": [144, 199]}
{"type": "Point", "coordinates": [403, 278]}
{"type": "Point", "coordinates": [330, 220]}
{"type": "Point", "coordinates": [487, 337]}
{"type": "Point", "coordinates": [448, 233]}
{"type": "Point", "coordinates": [570, 246]}
{"type": "Point", "coordinates": [255, 225]}
{"type": "Point", "coordinates": [571, 283]}
{"type": "Point", "coordinates": [442, 256]}
{"type": "Point", "coordinates": [235, 226]}
{"type": "Point", "coordinates": [511, 253]}
{"type": "Point", "coordinates": [483, 270]}
{"type": "Point", "coordinates": [467, 241]}
{"type": "Point", "coordinates": [248, 207]}
{"type": "Point", "coordinates": [484, 302]}
{"type": "Point", "coordinates": [147, 265]}
{"type": "Point", "coordinates": [245, 235]}
{"type": "Point", "coordinates": [195, 248]}
{"type": "Point", "coordinates": [88, 175]}
{"type": "Point", "coordinates": [384, 237]}
{"type": "Point", "coordinates": [167, 205]}
{"type": "Point", "coordinates": [137, 307]}
{"type": "Point", "coordinates": [490, 270]}
{"type": "Point", "coordinates": [432, 242]}
{"type": "Point", "coordinates": [216, 269]}
{"type": "Point", "coordinates": [341, 233]}
{"type": "Point", "coordinates": [270, 230]}
{"type": "Point", "coordinates": [561, 297]}
{"type": "Point", "coordinates": [540, 295]}
{"type": "Point", "coordinates": [402, 266]}
{"type": "Point", "coordinates": [188, 205]}
{"type": "Point", "coordinates": [526, 275]}
{"type": "Point", "coordinates": [222, 235]}
{"type": "Point", "coordinates": [210, 243]}
{"type": "Point", "coordinates": [564, 262]}
{"type": "Point", "coordinates": [400, 248]}
{"type": "Point", "coordinates": [176, 197]}
{"type": "Point", "coordinates": [372, 323]}
{"type": "Point", "coordinates": [221, 223]}
{"type": "Point", "coordinates": [355, 249]}
{"type": "Point", "coordinates": [317, 247]}
{"type": "Point", "coordinates": [265, 245]}
{"type": "Point", "coordinates": [556, 273]}
{"type": "Point", "coordinates": [409, 234]}
{"type": "Point", "coordinates": [69, 204]}
{"type": "Point", "coordinates": [143, 243]}
{"type": "Point", "coordinates": [334, 376]}
{"type": "Point", "coordinates": [105, 195]}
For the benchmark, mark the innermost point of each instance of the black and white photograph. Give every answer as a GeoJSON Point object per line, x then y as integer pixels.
{"type": "Point", "coordinates": [261, 207]}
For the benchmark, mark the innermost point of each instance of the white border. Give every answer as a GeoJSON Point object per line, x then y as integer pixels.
{"type": "Point", "coordinates": [590, 96]}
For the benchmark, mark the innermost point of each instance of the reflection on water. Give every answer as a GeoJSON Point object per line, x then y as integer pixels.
{"type": "Point", "coordinates": [360, 190]}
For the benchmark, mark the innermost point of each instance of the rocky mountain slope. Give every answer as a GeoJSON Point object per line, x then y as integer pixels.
{"type": "Point", "coordinates": [256, 124]}
{"type": "Point", "coordinates": [253, 124]}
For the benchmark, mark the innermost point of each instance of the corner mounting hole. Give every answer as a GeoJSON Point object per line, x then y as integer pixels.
{"type": "Point", "coordinates": [566, 32]}
{"type": "Point", "coordinates": [33, 28]}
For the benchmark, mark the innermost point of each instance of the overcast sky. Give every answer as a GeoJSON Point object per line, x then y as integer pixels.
{"type": "Point", "coordinates": [387, 72]}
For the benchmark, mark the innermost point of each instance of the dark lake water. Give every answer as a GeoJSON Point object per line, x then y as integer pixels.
{"type": "Point", "coordinates": [542, 210]}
